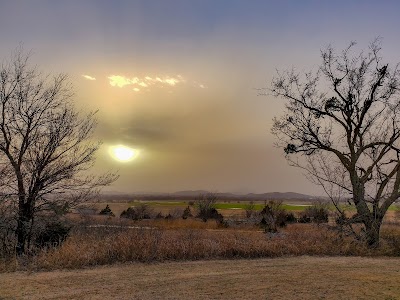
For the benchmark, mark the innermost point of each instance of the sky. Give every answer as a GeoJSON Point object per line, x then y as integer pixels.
{"type": "Point", "coordinates": [178, 81]}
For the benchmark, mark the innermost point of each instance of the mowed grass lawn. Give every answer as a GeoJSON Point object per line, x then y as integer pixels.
{"type": "Point", "coordinates": [279, 278]}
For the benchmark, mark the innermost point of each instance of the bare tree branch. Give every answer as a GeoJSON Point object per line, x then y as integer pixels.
{"type": "Point", "coordinates": [350, 109]}
{"type": "Point", "coordinates": [46, 146]}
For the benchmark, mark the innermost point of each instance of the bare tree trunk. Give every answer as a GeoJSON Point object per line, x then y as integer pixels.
{"type": "Point", "coordinates": [21, 232]}
{"type": "Point", "coordinates": [29, 239]}
{"type": "Point", "coordinates": [372, 230]}
{"type": "Point", "coordinates": [371, 221]}
{"type": "Point", "coordinates": [23, 224]}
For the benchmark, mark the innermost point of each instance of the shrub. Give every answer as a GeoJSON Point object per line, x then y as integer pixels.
{"type": "Point", "coordinates": [159, 216]}
{"type": "Point", "coordinates": [304, 218]}
{"type": "Point", "coordinates": [317, 213]}
{"type": "Point", "coordinates": [168, 217]}
{"type": "Point", "coordinates": [206, 206]}
{"type": "Point", "coordinates": [139, 212]}
{"type": "Point", "coordinates": [273, 216]}
{"type": "Point", "coordinates": [107, 211]}
{"type": "Point", "coordinates": [129, 213]}
{"type": "Point", "coordinates": [187, 213]}
{"type": "Point", "coordinates": [53, 234]}
{"type": "Point", "coordinates": [212, 213]}
{"type": "Point", "coordinates": [290, 218]}
{"type": "Point", "coordinates": [249, 209]}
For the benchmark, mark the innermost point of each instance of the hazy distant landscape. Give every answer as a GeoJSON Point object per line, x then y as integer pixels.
{"type": "Point", "coordinates": [173, 149]}
{"type": "Point", "coordinates": [192, 195]}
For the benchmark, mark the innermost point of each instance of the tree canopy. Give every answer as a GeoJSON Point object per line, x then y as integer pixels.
{"type": "Point", "coordinates": [46, 145]}
{"type": "Point", "coordinates": [342, 125]}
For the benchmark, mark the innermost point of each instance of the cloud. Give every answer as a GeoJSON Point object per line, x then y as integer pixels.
{"type": "Point", "coordinates": [171, 81]}
{"type": "Point", "coordinates": [148, 81]}
{"type": "Point", "coordinates": [88, 77]}
{"type": "Point", "coordinates": [121, 81]}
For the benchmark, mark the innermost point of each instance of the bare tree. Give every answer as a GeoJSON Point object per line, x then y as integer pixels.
{"type": "Point", "coordinates": [205, 204]}
{"type": "Point", "coordinates": [341, 125]}
{"type": "Point", "coordinates": [45, 145]}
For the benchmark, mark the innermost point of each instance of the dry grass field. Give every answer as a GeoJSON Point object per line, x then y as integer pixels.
{"type": "Point", "coordinates": [188, 240]}
{"type": "Point", "coordinates": [165, 207]}
{"type": "Point", "coordinates": [301, 277]}
{"type": "Point", "coordinates": [116, 258]}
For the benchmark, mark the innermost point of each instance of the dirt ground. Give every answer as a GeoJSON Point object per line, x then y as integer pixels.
{"type": "Point", "coordinates": [280, 278]}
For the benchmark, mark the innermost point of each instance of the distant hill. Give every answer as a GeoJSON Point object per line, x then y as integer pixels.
{"type": "Point", "coordinates": [263, 196]}
{"type": "Point", "coordinates": [278, 195]}
{"type": "Point", "coordinates": [189, 193]}
{"type": "Point", "coordinates": [193, 194]}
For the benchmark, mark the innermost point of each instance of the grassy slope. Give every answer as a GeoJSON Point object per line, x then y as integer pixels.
{"type": "Point", "coordinates": [280, 278]}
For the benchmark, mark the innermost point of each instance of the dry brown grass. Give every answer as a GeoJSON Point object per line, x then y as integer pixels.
{"type": "Point", "coordinates": [166, 240]}
{"type": "Point", "coordinates": [100, 246]}
{"type": "Point", "coordinates": [179, 224]}
{"type": "Point", "coordinates": [280, 278]}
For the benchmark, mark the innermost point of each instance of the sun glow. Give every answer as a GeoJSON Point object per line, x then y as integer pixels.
{"type": "Point", "coordinates": [122, 153]}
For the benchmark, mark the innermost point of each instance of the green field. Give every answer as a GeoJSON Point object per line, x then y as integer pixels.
{"type": "Point", "coordinates": [257, 206]}
{"type": "Point", "coordinates": [160, 203]}
{"type": "Point", "coordinates": [243, 205]}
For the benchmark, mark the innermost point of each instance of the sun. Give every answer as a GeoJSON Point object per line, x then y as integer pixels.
{"type": "Point", "coordinates": [122, 153]}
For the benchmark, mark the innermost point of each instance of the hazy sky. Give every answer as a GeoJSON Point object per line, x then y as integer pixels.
{"type": "Point", "coordinates": [177, 80]}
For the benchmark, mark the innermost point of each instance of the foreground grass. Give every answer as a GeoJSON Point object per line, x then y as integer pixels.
{"type": "Point", "coordinates": [280, 278]}
{"type": "Point", "coordinates": [102, 246]}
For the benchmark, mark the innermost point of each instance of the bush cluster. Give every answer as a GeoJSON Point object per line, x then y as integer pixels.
{"type": "Point", "coordinates": [187, 213]}
{"type": "Point", "coordinates": [273, 216]}
{"type": "Point", "coordinates": [318, 213]}
{"type": "Point", "coordinates": [139, 212]}
{"type": "Point", "coordinates": [53, 234]}
{"type": "Point", "coordinates": [107, 211]}
{"type": "Point", "coordinates": [206, 208]}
